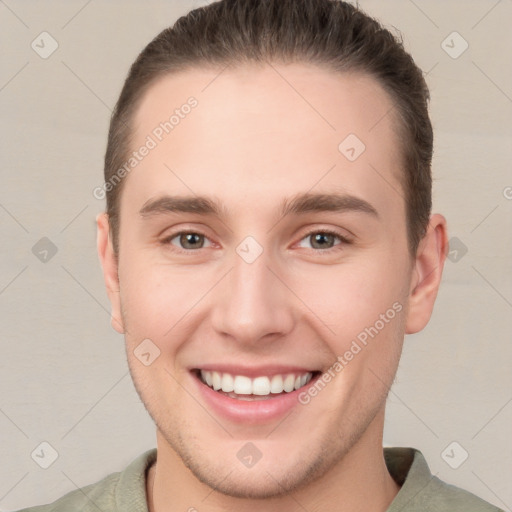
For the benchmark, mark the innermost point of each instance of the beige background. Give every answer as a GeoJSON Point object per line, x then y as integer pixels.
{"type": "Point", "coordinates": [63, 374]}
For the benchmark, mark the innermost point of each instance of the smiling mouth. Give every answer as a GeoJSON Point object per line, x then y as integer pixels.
{"type": "Point", "coordinates": [264, 387]}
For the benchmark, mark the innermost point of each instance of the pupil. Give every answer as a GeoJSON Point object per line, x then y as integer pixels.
{"type": "Point", "coordinates": [322, 236]}
{"type": "Point", "coordinates": [188, 239]}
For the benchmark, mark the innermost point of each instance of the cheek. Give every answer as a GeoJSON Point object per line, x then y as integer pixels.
{"type": "Point", "coordinates": [349, 297]}
{"type": "Point", "coordinates": [340, 300]}
{"type": "Point", "coordinates": [156, 296]}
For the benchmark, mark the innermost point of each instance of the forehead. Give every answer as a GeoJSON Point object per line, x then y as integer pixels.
{"type": "Point", "coordinates": [270, 129]}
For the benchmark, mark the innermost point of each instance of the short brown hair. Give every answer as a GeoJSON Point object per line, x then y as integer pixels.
{"type": "Point", "coordinates": [329, 33]}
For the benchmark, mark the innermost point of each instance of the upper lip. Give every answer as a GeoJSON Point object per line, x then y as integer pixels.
{"type": "Point", "coordinates": [254, 371]}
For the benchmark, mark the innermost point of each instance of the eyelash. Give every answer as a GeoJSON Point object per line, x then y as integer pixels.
{"type": "Point", "coordinates": [327, 252]}
{"type": "Point", "coordinates": [343, 239]}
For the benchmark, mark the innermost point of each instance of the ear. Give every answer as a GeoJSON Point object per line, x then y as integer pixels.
{"type": "Point", "coordinates": [110, 270]}
{"type": "Point", "coordinates": [427, 273]}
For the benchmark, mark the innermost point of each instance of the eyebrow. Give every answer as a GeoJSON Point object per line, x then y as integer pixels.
{"type": "Point", "coordinates": [298, 204]}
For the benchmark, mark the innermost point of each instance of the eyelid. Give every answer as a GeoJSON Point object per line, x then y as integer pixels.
{"type": "Point", "coordinates": [171, 236]}
{"type": "Point", "coordinates": [345, 239]}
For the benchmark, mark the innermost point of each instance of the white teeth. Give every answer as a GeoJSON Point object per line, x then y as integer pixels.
{"type": "Point", "coordinates": [227, 382]}
{"type": "Point", "coordinates": [216, 381]}
{"type": "Point", "coordinates": [242, 385]}
{"type": "Point", "coordinates": [263, 386]}
{"type": "Point", "coordinates": [289, 382]}
{"type": "Point", "coordinates": [276, 384]}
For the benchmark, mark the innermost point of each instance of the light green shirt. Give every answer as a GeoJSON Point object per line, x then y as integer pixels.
{"type": "Point", "coordinates": [420, 491]}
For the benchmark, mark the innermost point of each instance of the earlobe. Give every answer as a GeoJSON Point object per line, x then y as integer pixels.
{"type": "Point", "coordinates": [109, 264]}
{"type": "Point", "coordinates": [427, 274]}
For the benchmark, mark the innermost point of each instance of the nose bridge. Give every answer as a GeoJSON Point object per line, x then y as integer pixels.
{"type": "Point", "coordinates": [252, 302]}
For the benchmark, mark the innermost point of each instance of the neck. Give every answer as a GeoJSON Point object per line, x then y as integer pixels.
{"type": "Point", "coordinates": [359, 481]}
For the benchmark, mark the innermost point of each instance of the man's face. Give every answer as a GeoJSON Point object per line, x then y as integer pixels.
{"type": "Point", "coordinates": [291, 298]}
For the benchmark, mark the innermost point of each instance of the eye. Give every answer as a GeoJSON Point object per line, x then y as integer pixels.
{"type": "Point", "coordinates": [325, 239]}
{"type": "Point", "coordinates": [187, 241]}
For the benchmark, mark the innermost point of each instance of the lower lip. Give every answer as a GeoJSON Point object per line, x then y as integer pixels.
{"type": "Point", "coordinates": [250, 411]}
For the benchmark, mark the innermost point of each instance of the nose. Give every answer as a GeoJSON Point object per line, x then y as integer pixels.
{"type": "Point", "coordinates": [253, 303]}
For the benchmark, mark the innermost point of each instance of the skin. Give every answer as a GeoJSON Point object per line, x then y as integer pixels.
{"type": "Point", "coordinates": [251, 142]}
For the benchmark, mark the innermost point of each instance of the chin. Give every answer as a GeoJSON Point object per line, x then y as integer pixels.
{"type": "Point", "coordinates": [251, 485]}
{"type": "Point", "coordinates": [265, 480]}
